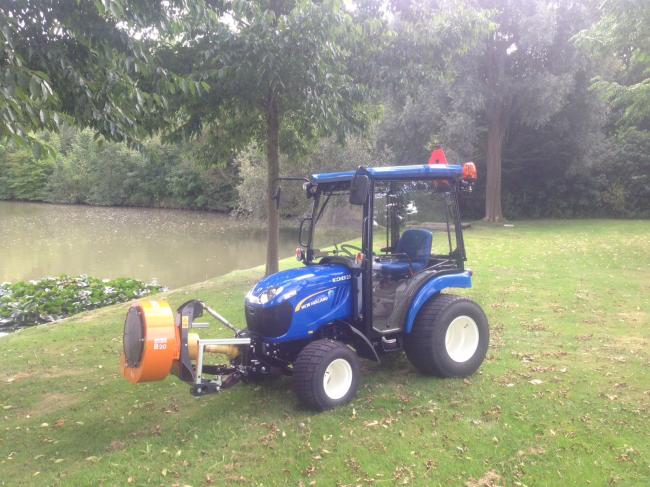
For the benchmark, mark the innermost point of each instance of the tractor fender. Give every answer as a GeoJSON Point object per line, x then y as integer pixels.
{"type": "Point", "coordinates": [362, 345]}
{"type": "Point", "coordinates": [431, 288]}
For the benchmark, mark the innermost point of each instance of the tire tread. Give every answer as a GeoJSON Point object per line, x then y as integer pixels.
{"type": "Point", "coordinates": [305, 367]}
{"type": "Point", "coordinates": [418, 343]}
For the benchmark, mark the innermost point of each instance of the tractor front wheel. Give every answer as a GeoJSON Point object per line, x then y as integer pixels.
{"type": "Point", "coordinates": [449, 338]}
{"type": "Point", "coordinates": [326, 374]}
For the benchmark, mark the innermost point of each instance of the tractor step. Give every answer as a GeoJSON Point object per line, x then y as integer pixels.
{"type": "Point", "coordinates": [390, 344]}
{"type": "Point", "coordinates": [214, 386]}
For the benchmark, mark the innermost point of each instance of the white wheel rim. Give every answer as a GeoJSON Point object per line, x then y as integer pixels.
{"type": "Point", "coordinates": [337, 379]}
{"type": "Point", "coordinates": [461, 339]}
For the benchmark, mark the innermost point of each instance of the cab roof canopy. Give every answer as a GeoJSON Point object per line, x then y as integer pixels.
{"type": "Point", "coordinates": [420, 171]}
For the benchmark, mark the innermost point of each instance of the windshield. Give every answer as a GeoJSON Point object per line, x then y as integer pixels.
{"type": "Point", "coordinates": [337, 222]}
{"type": "Point", "coordinates": [403, 205]}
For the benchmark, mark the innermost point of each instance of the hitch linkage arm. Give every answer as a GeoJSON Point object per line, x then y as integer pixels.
{"type": "Point", "coordinates": [220, 318]}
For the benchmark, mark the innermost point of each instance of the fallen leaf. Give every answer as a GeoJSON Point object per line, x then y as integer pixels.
{"type": "Point", "coordinates": [116, 445]}
{"type": "Point", "coordinates": [536, 382]}
{"type": "Point", "coordinates": [490, 479]}
{"type": "Point", "coordinates": [533, 450]}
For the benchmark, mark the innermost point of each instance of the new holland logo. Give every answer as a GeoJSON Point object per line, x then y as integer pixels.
{"type": "Point", "coordinates": [314, 299]}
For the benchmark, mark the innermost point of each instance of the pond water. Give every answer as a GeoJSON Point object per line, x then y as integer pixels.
{"type": "Point", "coordinates": [175, 247]}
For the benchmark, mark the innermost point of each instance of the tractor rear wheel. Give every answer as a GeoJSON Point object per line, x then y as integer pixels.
{"type": "Point", "coordinates": [326, 374]}
{"type": "Point", "coordinates": [449, 338]}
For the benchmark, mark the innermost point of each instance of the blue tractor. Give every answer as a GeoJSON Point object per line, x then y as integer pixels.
{"type": "Point", "coordinates": [378, 247]}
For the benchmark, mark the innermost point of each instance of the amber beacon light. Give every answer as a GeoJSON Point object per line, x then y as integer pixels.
{"type": "Point", "coordinates": [469, 172]}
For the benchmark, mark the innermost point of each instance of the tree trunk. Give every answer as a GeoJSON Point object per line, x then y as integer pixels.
{"type": "Point", "coordinates": [272, 173]}
{"type": "Point", "coordinates": [496, 119]}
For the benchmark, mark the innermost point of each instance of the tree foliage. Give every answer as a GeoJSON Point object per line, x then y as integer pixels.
{"type": "Point", "coordinates": [277, 71]}
{"type": "Point", "coordinates": [549, 98]}
{"type": "Point", "coordinates": [93, 63]}
{"type": "Point", "coordinates": [515, 81]}
{"type": "Point", "coordinates": [620, 41]}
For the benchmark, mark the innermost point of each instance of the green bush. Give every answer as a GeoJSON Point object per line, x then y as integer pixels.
{"type": "Point", "coordinates": [22, 176]}
{"type": "Point", "coordinates": [325, 155]}
{"type": "Point", "coordinates": [83, 170]}
{"type": "Point", "coordinates": [52, 298]}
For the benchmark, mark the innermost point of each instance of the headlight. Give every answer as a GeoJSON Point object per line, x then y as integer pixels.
{"type": "Point", "coordinates": [269, 294]}
{"type": "Point", "coordinates": [265, 297]}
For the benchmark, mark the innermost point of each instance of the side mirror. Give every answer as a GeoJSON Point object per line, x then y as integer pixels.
{"type": "Point", "coordinates": [301, 231]}
{"type": "Point", "coordinates": [359, 188]}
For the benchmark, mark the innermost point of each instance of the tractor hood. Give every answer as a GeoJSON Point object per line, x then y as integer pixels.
{"type": "Point", "coordinates": [297, 284]}
{"type": "Point", "coordinates": [293, 304]}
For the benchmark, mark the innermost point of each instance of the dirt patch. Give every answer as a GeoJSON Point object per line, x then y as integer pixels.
{"type": "Point", "coordinates": [93, 315]}
{"type": "Point", "coordinates": [51, 402]}
{"type": "Point", "coordinates": [490, 479]}
{"type": "Point", "coordinates": [52, 373]}
{"type": "Point", "coordinates": [636, 317]}
{"type": "Point", "coordinates": [116, 445]}
{"type": "Point", "coordinates": [632, 343]}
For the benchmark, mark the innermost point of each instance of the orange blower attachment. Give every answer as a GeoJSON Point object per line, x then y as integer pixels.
{"type": "Point", "coordinates": [158, 342]}
{"type": "Point", "coordinates": [151, 342]}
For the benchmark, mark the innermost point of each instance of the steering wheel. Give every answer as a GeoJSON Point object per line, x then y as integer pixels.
{"type": "Point", "coordinates": [345, 248]}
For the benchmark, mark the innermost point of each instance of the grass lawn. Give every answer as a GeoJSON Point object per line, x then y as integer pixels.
{"type": "Point", "coordinates": [562, 399]}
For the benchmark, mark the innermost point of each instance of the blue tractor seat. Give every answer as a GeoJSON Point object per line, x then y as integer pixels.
{"type": "Point", "coordinates": [415, 248]}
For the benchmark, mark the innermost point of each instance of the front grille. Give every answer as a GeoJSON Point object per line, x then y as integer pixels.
{"type": "Point", "coordinates": [269, 322]}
